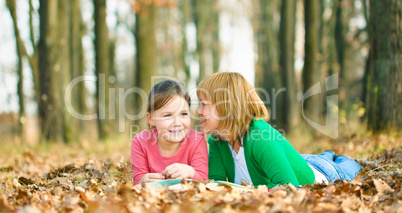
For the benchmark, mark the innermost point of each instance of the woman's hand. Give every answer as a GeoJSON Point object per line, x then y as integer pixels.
{"type": "Point", "coordinates": [151, 177]}
{"type": "Point", "coordinates": [178, 170]}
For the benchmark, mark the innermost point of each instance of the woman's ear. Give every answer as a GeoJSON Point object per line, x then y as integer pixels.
{"type": "Point", "coordinates": [150, 120]}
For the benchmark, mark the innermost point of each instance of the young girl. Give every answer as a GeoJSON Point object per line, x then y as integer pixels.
{"type": "Point", "coordinates": [170, 149]}
{"type": "Point", "coordinates": [243, 146]}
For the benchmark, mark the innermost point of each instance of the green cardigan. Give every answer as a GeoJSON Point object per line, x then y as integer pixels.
{"type": "Point", "coordinates": [270, 158]}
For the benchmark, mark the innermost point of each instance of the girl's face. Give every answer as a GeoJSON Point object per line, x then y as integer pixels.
{"type": "Point", "coordinates": [172, 121]}
{"type": "Point", "coordinates": [209, 116]}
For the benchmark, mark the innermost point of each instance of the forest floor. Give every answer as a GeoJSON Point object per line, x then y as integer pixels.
{"type": "Point", "coordinates": [97, 177]}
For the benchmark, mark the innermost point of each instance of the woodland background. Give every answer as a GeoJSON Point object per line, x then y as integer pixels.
{"type": "Point", "coordinates": [295, 45]}
{"type": "Point", "coordinates": [52, 161]}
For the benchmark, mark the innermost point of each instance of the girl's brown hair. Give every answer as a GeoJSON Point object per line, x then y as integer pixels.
{"type": "Point", "coordinates": [163, 92]}
{"type": "Point", "coordinates": [236, 101]}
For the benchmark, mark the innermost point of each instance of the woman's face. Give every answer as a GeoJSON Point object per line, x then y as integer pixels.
{"type": "Point", "coordinates": [209, 116]}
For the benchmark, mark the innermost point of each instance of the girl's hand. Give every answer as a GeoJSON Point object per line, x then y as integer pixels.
{"type": "Point", "coordinates": [178, 170]}
{"type": "Point", "coordinates": [151, 177]}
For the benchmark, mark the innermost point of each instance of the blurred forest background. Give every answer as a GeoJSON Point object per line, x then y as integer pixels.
{"type": "Point", "coordinates": [112, 47]}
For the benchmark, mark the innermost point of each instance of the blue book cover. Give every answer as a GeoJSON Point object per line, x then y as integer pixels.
{"type": "Point", "coordinates": [176, 184]}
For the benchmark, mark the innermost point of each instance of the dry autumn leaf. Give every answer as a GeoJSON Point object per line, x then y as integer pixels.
{"type": "Point", "coordinates": [382, 187]}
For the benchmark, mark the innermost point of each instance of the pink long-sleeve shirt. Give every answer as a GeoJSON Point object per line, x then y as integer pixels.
{"type": "Point", "coordinates": [146, 157]}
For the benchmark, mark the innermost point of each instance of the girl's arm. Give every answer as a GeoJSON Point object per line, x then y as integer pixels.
{"type": "Point", "coordinates": [196, 167]}
{"type": "Point", "coordinates": [273, 160]}
{"type": "Point", "coordinates": [138, 160]}
{"type": "Point", "coordinates": [216, 169]}
{"type": "Point", "coordinates": [199, 160]}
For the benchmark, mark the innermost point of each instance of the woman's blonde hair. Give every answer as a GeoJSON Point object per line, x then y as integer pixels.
{"type": "Point", "coordinates": [236, 101]}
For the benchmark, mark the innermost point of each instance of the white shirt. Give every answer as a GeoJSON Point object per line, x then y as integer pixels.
{"type": "Point", "coordinates": [319, 177]}
{"type": "Point", "coordinates": [241, 171]}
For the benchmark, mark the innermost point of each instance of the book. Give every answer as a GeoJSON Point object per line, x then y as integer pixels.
{"type": "Point", "coordinates": [183, 184]}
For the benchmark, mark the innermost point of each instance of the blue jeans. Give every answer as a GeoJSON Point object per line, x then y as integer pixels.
{"type": "Point", "coordinates": [334, 168]}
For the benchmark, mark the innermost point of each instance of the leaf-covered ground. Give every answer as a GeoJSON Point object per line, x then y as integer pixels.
{"type": "Point", "coordinates": [66, 179]}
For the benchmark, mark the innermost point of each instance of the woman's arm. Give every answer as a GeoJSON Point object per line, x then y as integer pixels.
{"type": "Point", "coordinates": [216, 167]}
{"type": "Point", "coordinates": [273, 161]}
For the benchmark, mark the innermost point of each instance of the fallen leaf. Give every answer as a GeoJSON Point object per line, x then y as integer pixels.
{"type": "Point", "coordinates": [382, 186]}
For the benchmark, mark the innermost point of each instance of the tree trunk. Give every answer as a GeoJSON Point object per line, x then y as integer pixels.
{"type": "Point", "coordinates": [385, 109]}
{"type": "Point", "coordinates": [215, 40]}
{"type": "Point", "coordinates": [33, 59]}
{"type": "Point", "coordinates": [69, 17]}
{"type": "Point", "coordinates": [311, 75]}
{"type": "Point", "coordinates": [185, 10]}
{"type": "Point", "coordinates": [77, 65]}
{"type": "Point", "coordinates": [340, 44]}
{"type": "Point", "coordinates": [145, 28]}
{"type": "Point", "coordinates": [290, 115]}
{"type": "Point", "coordinates": [267, 76]}
{"type": "Point", "coordinates": [205, 28]}
{"type": "Point", "coordinates": [50, 104]}
{"type": "Point", "coordinates": [333, 61]}
{"type": "Point", "coordinates": [365, 90]}
{"type": "Point", "coordinates": [64, 73]}
{"type": "Point", "coordinates": [20, 52]}
{"type": "Point", "coordinates": [200, 24]}
{"type": "Point", "coordinates": [170, 56]}
{"type": "Point", "coordinates": [102, 66]}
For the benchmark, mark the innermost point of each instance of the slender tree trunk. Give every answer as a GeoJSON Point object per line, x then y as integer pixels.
{"type": "Point", "coordinates": [50, 104]}
{"type": "Point", "coordinates": [333, 66]}
{"type": "Point", "coordinates": [366, 87]}
{"type": "Point", "coordinates": [328, 52]}
{"type": "Point", "coordinates": [215, 41]}
{"type": "Point", "coordinates": [333, 61]}
{"type": "Point", "coordinates": [145, 28]}
{"type": "Point", "coordinates": [33, 59]}
{"type": "Point", "coordinates": [77, 65]}
{"type": "Point", "coordinates": [185, 8]}
{"type": "Point", "coordinates": [200, 19]}
{"type": "Point", "coordinates": [290, 113]}
{"type": "Point", "coordinates": [170, 59]}
{"type": "Point", "coordinates": [20, 52]}
{"type": "Point", "coordinates": [323, 48]}
{"type": "Point", "coordinates": [65, 71]}
{"type": "Point", "coordinates": [267, 75]}
{"type": "Point", "coordinates": [311, 75]}
{"type": "Point", "coordinates": [365, 90]}
{"type": "Point", "coordinates": [340, 44]}
{"type": "Point", "coordinates": [205, 17]}
{"type": "Point", "coordinates": [102, 65]}
{"type": "Point", "coordinates": [112, 53]}
{"type": "Point", "coordinates": [385, 109]}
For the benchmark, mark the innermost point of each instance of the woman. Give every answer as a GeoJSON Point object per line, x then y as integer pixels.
{"type": "Point", "coordinates": [243, 146]}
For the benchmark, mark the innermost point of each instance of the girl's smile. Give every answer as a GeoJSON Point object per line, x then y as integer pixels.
{"type": "Point", "coordinates": [172, 121]}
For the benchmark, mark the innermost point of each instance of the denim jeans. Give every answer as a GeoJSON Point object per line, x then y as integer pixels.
{"type": "Point", "coordinates": [334, 168]}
